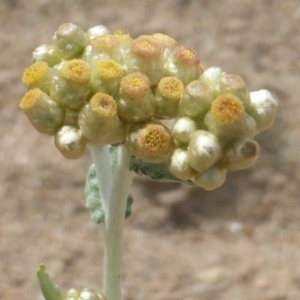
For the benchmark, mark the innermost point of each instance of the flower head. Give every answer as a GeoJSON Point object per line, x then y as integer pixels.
{"type": "Point", "coordinates": [106, 43]}
{"type": "Point", "coordinates": [227, 109]}
{"type": "Point", "coordinates": [154, 139]}
{"type": "Point", "coordinates": [135, 84]}
{"type": "Point", "coordinates": [76, 71]}
{"type": "Point", "coordinates": [150, 142]}
{"type": "Point", "coordinates": [35, 73]}
{"type": "Point", "coordinates": [170, 88]}
{"type": "Point", "coordinates": [145, 47]}
{"type": "Point", "coordinates": [103, 105]}
{"type": "Point", "coordinates": [108, 69]}
{"type": "Point", "coordinates": [186, 56]}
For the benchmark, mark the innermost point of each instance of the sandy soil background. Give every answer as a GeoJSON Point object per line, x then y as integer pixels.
{"type": "Point", "coordinates": [241, 241]}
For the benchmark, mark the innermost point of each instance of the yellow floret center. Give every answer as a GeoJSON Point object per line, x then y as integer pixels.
{"type": "Point", "coordinates": [164, 40]}
{"type": "Point", "coordinates": [108, 69]}
{"type": "Point", "coordinates": [227, 108]}
{"type": "Point", "coordinates": [103, 105]}
{"type": "Point", "coordinates": [122, 36]}
{"type": "Point", "coordinates": [35, 72]}
{"type": "Point", "coordinates": [76, 71]}
{"type": "Point", "coordinates": [135, 84]}
{"type": "Point", "coordinates": [154, 139]}
{"type": "Point", "coordinates": [145, 47]}
{"type": "Point", "coordinates": [171, 88]}
{"type": "Point", "coordinates": [186, 55]}
{"type": "Point", "coordinates": [31, 99]}
{"type": "Point", "coordinates": [107, 42]}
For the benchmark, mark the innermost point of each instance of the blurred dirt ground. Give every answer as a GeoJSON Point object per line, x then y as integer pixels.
{"type": "Point", "coordinates": [241, 241]}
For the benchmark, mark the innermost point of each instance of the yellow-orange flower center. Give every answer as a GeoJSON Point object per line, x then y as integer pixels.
{"type": "Point", "coordinates": [31, 99]}
{"type": "Point", "coordinates": [227, 108]}
{"type": "Point", "coordinates": [104, 43]}
{"type": "Point", "coordinates": [135, 84]}
{"type": "Point", "coordinates": [103, 105]}
{"type": "Point", "coordinates": [145, 47]}
{"type": "Point", "coordinates": [164, 40]}
{"type": "Point", "coordinates": [108, 69]}
{"type": "Point", "coordinates": [35, 72]}
{"type": "Point", "coordinates": [171, 88]}
{"type": "Point", "coordinates": [154, 139]}
{"type": "Point", "coordinates": [186, 55]}
{"type": "Point", "coordinates": [77, 71]}
{"type": "Point", "coordinates": [122, 36]}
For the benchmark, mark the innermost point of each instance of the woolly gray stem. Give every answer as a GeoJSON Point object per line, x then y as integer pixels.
{"type": "Point", "coordinates": [114, 187]}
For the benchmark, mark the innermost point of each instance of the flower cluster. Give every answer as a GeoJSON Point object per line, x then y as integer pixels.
{"type": "Point", "coordinates": [100, 88]}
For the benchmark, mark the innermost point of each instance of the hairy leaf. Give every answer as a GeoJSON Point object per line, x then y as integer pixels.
{"type": "Point", "coordinates": [155, 171]}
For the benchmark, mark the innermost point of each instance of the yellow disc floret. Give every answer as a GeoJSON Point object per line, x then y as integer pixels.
{"type": "Point", "coordinates": [164, 40]}
{"type": "Point", "coordinates": [227, 108]}
{"type": "Point", "coordinates": [171, 88]}
{"type": "Point", "coordinates": [77, 71]}
{"type": "Point", "coordinates": [103, 105]}
{"type": "Point", "coordinates": [154, 139]}
{"type": "Point", "coordinates": [135, 84]}
{"type": "Point", "coordinates": [31, 99]}
{"type": "Point", "coordinates": [104, 43]}
{"type": "Point", "coordinates": [186, 55]}
{"type": "Point", "coordinates": [122, 36]}
{"type": "Point", "coordinates": [35, 72]}
{"type": "Point", "coordinates": [145, 47]}
{"type": "Point", "coordinates": [108, 69]}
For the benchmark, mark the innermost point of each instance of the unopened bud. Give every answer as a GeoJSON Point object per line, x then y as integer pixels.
{"type": "Point", "coordinates": [212, 77]}
{"type": "Point", "coordinates": [183, 63]}
{"type": "Point", "coordinates": [240, 154]}
{"type": "Point", "coordinates": [99, 122]}
{"type": "Point", "coordinates": [84, 294]}
{"type": "Point", "coordinates": [212, 178]}
{"type": "Point", "coordinates": [136, 102]}
{"type": "Point", "coordinates": [48, 54]}
{"type": "Point", "coordinates": [150, 142]}
{"type": "Point", "coordinates": [204, 150]}
{"type": "Point", "coordinates": [179, 164]}
{"type": "Point", "coordinates": [97, 31]}
{"type": "Point", "coordinates": [227, 117]}
{"type": "Point", "coordinates": [70, 40]}
{"type": "Point", "coordinates": [263, 109]}
{"type": "Point", "coordinates": [43, 113]}
{"type": "Point", "coordinates": [72, 294]}
{"type": "Point", "coordinates": [196, 99]}
{"type": "Point", "coordinates": [182, 130]}
{"type": "Point", "coordinates": [167, 97]}
{"type": "Point", "coordinates": [70, 142]}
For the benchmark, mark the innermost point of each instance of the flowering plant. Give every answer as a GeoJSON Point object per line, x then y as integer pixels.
{"type": "Point", "coordinates": [113, 94]}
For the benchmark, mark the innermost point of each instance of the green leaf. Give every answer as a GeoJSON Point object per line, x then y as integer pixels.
{"type": "Point", "coordinates": [50, 290]}
{"type": "Point", "coordinates": [94, 202]}
{"type": "Point", "coordinates": [93, 198]}
{"type": "Point", "coordinates": [155, 171]}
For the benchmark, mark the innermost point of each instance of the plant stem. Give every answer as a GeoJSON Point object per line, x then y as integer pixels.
{"type": "Point", "coordinates": [114, 191]}
{"type": "Point", "coordinates": [102, 161]}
